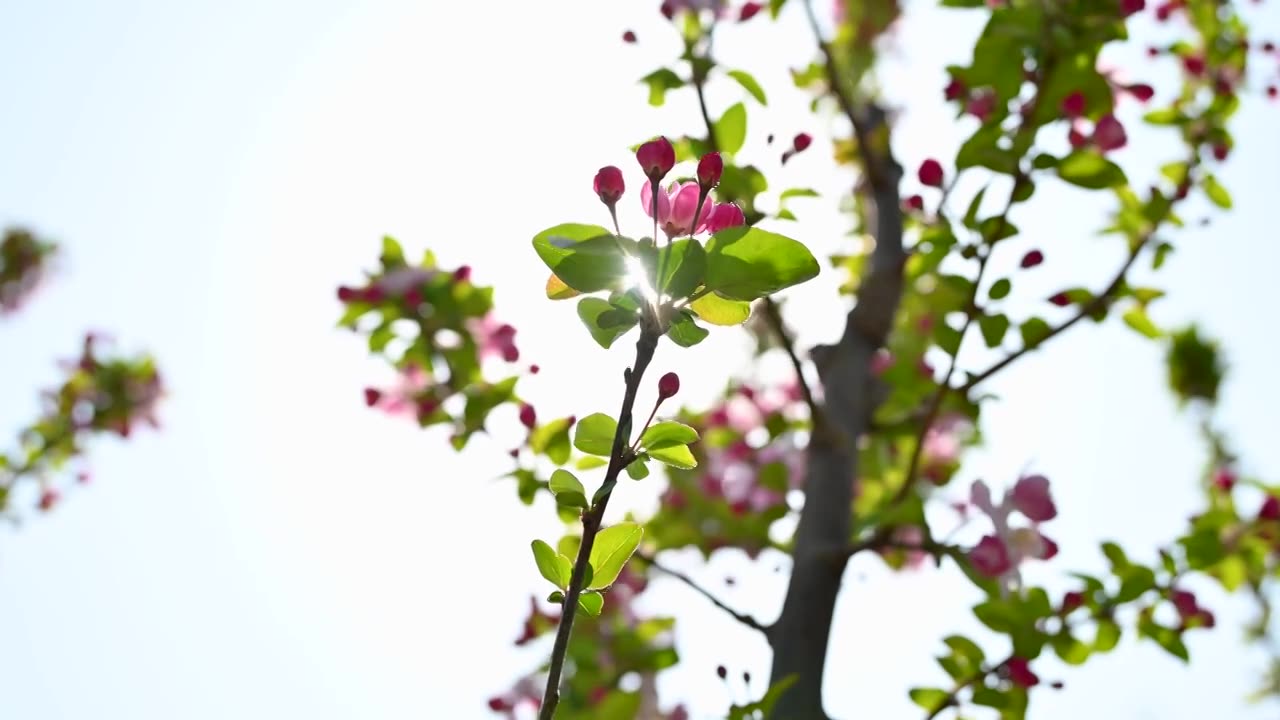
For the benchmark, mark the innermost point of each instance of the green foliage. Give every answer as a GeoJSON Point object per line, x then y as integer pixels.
{"type": "Point", "coordinates": [1194, 367]}
{"type": "Point", "coordinates": [567, 489]}
{"type": "Point", "coordinates": [749, 263]}
{"type": "Point", "coordinates": [613, 547]}
{"type": "Point", "coordinates": [731, 129]}
{"type": "Point", "coordinates": [587, 258]}
{"type": "Point", "coordinates": [556, 568]}
{"type": "Point", "coordinates": [594, 434]}
{"type": "Point", "coordinates": [749, 83]}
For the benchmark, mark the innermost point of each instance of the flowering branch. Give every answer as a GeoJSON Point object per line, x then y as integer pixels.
{"type": "Point", "coordinates": [682, 577]}
{"type": "Point", "coordinates": [591, 519]}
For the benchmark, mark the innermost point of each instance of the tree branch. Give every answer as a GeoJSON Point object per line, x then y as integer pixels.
{"type": "Point", "coordinates": [591, 520]}
{"type": "Point", "coordinates": [682, 577]}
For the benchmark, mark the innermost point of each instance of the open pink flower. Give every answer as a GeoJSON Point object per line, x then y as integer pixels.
{"type": "Point", "coordinates": [494, 338]}
{"type": "Point", "coordinates": [676, 208]}
{"type": "Point", "coordinates": [405, 397]}
{"type": "Point", "coordinates": [998, 555]}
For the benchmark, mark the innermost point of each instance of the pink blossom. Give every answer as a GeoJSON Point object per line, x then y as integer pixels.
{"type": "Point", "coordinates": [401, 280]}
{"type": "Point", "coordinates": [676, 208]}
{"type": "Point", "coordinates": [404, 397]}
{"type": "Point", "coordinates": [725, 216]}
{"type": "Point", "coordinates": [1031, 497]}
{"type": "Point", "coordinates": [910, 536]}
{"type": "Point", "coordinates": [494, 338]}
{"type": "Point", "coordinates": [1109, 134]}
{"type": "Point", "coordinates": [945, 439]}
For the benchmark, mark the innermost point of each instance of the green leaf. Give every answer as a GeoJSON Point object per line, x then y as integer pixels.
{"type": "Point", "coordinates": [659, 82]}
{"type": "Point", "coordinates": [719, 310]}
{"type": "Point", "coordinates": [567, 489]}
{"type": "Point", "coordinates": [731, 129]}
{"type": "Point", "coordinates": [556, 597]}
{"type": "Point", "coordinates": [1000, 290]}
{"type": "Point", "coordinates": [613, 547]}
{"type": "Point", "coordinates": [749, 84]}
{"type": "Point", "coordinates": [1088, 169]}
{"type": "Point", "coordinates": [1034, 331]}
{"type": "Point", "coordinates": [587, 258]}
{"type": "Point", "coordinates": [554, 567]}
{"type": "Point", "coordinates": [683, 267]}
{"type": "Point", "coordinates": [1216, 193]}
{"type": "Point", "coordinates": [798, 192]}
{"type": "Point", "coordinates": [993, 328]}
{"type": "Point", "coordinates": [552, 440]}
{"type": "Point", "coordinates": [638, 469]}
{"type": "Point", "coordinates": [557, 290]}
{"type": "Point", "coordinates": [931, 699]}
{"type": "Point", "coordinates": [595, 314]}
{"type": "Point", "coordinates": [591, 603]}
{"type": "Point", "coordinates": [590, 462]}
{"type": "Point", "coordinates": [685, 332]}
{"type": "Point", "coordinates": [775, 7]}
{"type": "Point", "coordinates": [677, 456]}
{"type": "Point", "coordinates": [392, 254]}
{"type": "Point", "coordinates": [667, 434]}
{"type": "Point", "coordinates": [748, 263]}
{"type": "Point", "coordinates": [1107, 636]}
{"type": "Point", "coordinates": [1136, 318]}
{"type": "Point", "coordinates": [594, 434]}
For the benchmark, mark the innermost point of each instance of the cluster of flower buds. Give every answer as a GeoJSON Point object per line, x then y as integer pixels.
{"type": "Point", "coordinates": [681, 208]}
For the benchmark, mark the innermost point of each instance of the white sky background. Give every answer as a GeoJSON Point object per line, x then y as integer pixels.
{"type": "Point", "coordinates": [214, 170]}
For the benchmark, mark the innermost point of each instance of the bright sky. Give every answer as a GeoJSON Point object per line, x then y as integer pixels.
{"type": "Point", "coordinates": [214, 170]}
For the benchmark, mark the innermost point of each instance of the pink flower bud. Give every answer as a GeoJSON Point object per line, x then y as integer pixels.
{"type": "Point", "coordinates": [609, 185]}
{"type": "Point", "coordinates": [1073, 105]}
{"type": "Point", "coordinates": [1185, 603]}
{"type": "Point", "coordinates": [802, 142]}
{"type": "Point", "coordinates": [725, 216]}
{"type": "Point", "coordinates": [1270, 509]}
{"type": "Point", "coordinates": [930, 173]}
{"type": "Point", "coordinates": [462, 274]}
{"type": "Point", "coordinates": [534, 369]}
{"type": "Point", "coordinates": [914, 203]}
{"type": "Point", "coordinates": [955, 89]}
{"type": "Point", "coordinates": [990, 557]}
{"type": "Point", "coordinates": [372, 396]}
{"type": "Point", "coordinates": [1131, 7]}
{"type": "Point", "coordinates": [346, 294]}
{"type": "Point", "coordinates": [1220, 152]}
{"type": "Point", "coordinates": [721, 672]}
{"type": "Point", "coordinates": [413, 299]}
{"type": "Point", "coordinates": [1031, 497]}
{"type": "Point", "coordinates": [1060, 299]}
{"type": "Point", "coordinates": [1071, 601]}
{"type": "Point", "coordinates": [1141, 92]}
{"type": "Point", "coordinates": [1224, 479]}
{"type": "Point", "coordinates": [1020, 673]}
{"type": "Point", "coordinates": [709, 169]}
{"type": "Point", "coordinates": [1076, 139]}
{"type": "Point", "coordinates": [668, 386]}
{"type": "Point", "coordinates": [656, 158]}
{"type": "Point", "coordinates": [1193, 64]}
{"type": "Point", "coordinates": [48, 499]}
{"type": "Point", "coordinates": [528, 417]}
{"type": "Point", "coordinates": [749, 11]}
{"type": "Point", "coordinates": [1109, 134]}
{"type": "Point", "coordinates": [628, 37]}
{"type": "Point", "coordinates": [982, 105]}
{"type": "Point", "coordinates": [1032, 259]}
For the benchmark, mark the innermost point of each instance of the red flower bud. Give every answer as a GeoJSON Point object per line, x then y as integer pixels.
{"type": "Point", "coordinates": [721, 672]}
{"type": "Point", "coordinates": [1020, 673]}
{"type": "Point", "coordinates": [497, 704]}
{"type": "Point", "coordinates": [48, 499]}
{"type": "Point", "coordinates": [628, 37]}
{"type": "Point", "coordinates": [1141, 92]}
{"type": "Point", "coordinates": [709, 169]}
{"type": "Point", "coordinates": [802, 142]}
{"type": "Point", "coordinates": [1270, 509]}
{"type": "Point", "coordinates": [462, 274]}
{"type": "Point", "coordinates": [982, 106]}
{"type": "Point", "coordinates": [528, 417]}
{"type": "Point", "coordinates": [930, 173]}
{"type": "Point", "coordinates": [656, 158]}
{"type": "Point", "coordinates": [1130, 7]}
{"type": "Point", "coordinates": [372, 396]}
{"type": "Point", "coordinates": [668, 386]}
{"type": "Point", "coordinates": [1109, 134]}
{"type": "Point", "coordinates": [668, 9]}
{"type": "Point", "coordinates": [1268, 47]}
{"type": "Point", "coordinates": [1224, 479]}
{"type": "Point", "coordinates": [1032, 259]}
{"type": "Point", "coordinates": [1073, 105]}
{"type": "Point", "coordinates": [1220, 152]}
{"type": "Point", "coordinates": [955, 89]}
{"type": "Point", "coordinates": [1031, 497]}
{"type": "Point", "coordinates": [346, 294]}
{"type": "Point", "coordinates": [413, 299]}
{"type": "Point", "coordinates": [1193, 64]}
{"type": "Point", "coordinates": [749, 11]}
{"type": "Point", "coordinates": [608, 185]}
{"type": "Point", "coordinates": [914, 203]}
{"type": "Point", "coordinates": [534, 369]}
{"type": "Point", "coordinates": [1071, 601]}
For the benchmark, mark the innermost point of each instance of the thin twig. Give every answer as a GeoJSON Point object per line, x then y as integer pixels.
{"type": "Point", "coordinates": [740, 617]}
{"type": "Point", "coordinates": [591, 520]}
